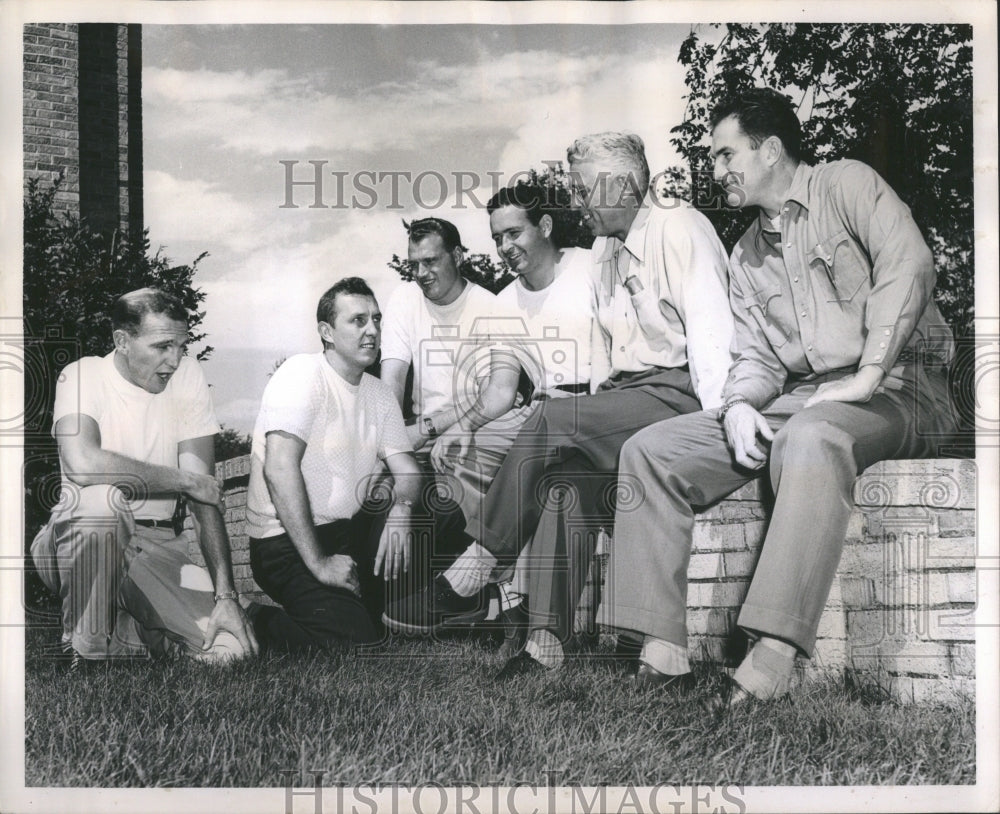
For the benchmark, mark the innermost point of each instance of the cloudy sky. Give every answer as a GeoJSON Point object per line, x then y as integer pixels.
{"type": "Point", "coordinates": [224, 105]}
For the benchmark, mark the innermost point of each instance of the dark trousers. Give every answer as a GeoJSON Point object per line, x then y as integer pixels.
{"type": "Point", "coordinates": [315, 614]}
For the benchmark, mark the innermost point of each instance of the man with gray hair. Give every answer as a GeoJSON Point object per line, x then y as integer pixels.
{"type": "Point", "coordinates": [664, 321]}
{"type": "Point", "coordinates": [135, 430]}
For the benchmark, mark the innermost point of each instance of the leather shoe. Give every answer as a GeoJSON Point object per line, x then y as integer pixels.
{"type": "Point", "coordinates": [515, 631]}
{"type": "Point", "coordinates": [731, 698]}
{"type": "Point", "coordinates": [521, 665]}
{"type": "Point", "coordinates": [648, 678]}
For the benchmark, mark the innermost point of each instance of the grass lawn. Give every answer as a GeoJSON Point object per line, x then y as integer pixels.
{"type": "Point", "coordinates": [427, 712]}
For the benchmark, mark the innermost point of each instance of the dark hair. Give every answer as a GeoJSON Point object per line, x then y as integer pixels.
{"type": "Point", "coordinates": [762, 113]}
{"type": "Point", "coordinates": [446, 230]}
{"type": "Point", "coordinates": [326, 311]}
{"type": "Point", "coordinates": [130, 308]}
{"type": "Point", "coordinates": [534, 199]}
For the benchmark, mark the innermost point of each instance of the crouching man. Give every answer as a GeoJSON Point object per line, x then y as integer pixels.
{"type": "Point", "coordinates": [135, 431]}
{"type": "Point", "coordinates": [324, 431]}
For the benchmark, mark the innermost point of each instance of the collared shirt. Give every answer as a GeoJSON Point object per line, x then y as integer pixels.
{"type": "Point", "coordinates": [845, 282]}
{"type": "Point", "coordinates": [681, 315]}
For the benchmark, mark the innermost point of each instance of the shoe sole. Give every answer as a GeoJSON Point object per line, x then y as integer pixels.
{"type": "Point", "coordinates": [462, 620]}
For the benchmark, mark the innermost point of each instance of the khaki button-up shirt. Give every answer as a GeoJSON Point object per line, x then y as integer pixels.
{"type": "Point", "coordinates": [681, 315]}
{"type": "Point", "coordinates": [846, 281]}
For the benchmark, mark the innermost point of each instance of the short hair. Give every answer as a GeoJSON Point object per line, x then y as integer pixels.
{"type": "Point", "coordinates": [326, 311]}
{"type": "Point", "coordinates": [446, 230]}
{"type": "Point", "coordinates": [624, 151]}
{"type": "Point", "coordinates": [762, 113]}
{"type": "Point", "coordinates": [534, 199]}
{"type": "Point", "coordinates": [129, 309]}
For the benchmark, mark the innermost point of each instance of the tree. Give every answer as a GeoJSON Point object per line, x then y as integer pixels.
{"type": "Point", "coordinates": [898, 97]}
{"type": "Point", "coordinates": [231, 443]}
{"type": "Point", "coordinates": [72, 276]}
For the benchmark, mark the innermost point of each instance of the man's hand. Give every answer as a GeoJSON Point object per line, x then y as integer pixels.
{"type": "Point", "coordinates": [395, 543]}
{"type": "Point", "coordinates": [202, 488]}
{"type": "Point", "coordinates": [858, 387]}
{"type": "Point", "coordinates": [452, 437]}
{"type": "Point", "coordinates": [229, 616]}
{"type": "Point", "coordinates": [338, 571]}
{"type": "Point", "coordinates": [743, 424]}
{"type": "Point", "coordinates": [416, 436]}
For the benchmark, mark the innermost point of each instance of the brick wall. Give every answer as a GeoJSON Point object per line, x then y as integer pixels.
{"type": "Point", "coordinates": [900, 610]}
{"type": "Point", "coordinates": [83, 118]}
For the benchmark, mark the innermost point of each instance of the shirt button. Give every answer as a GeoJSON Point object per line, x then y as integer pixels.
{"type": "Point", "coordinates": [795, 279]}
{"type": "Point", "coordinates": [622, 349]}
{"type": "Point", "coordinates": [810, 347]}
{"type": "Point", "coordinates": [887, 332]}
{"type": "Point", "coordinates": [878, 358]}
{"type": "Point", "coordinates": [881, 344]}
{"type": "Point", "coordinates": [788, 245]}
{"type": "Point", "coordinates": [785, 209]}
{"type": "Point", "coordinates": [803, 313]}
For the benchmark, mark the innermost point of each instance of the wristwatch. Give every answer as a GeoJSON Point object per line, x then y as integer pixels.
{"type": "Point", "coordinates": [429, 427]}
{"type": "Point", "coordinates": [235, 595]}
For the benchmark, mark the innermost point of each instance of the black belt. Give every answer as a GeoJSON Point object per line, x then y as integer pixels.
{"type": "Point", "coordinates": [575, 389]}
{"type": "Point", "coordinates": [150, 523]}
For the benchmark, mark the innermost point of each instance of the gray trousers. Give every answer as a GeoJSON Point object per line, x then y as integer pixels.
{"type": "Point", "coordinates": [558, 484]}
{"type": "Point", "coordinates": [817, 453]}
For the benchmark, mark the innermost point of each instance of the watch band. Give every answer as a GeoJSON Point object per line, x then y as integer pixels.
{"type": "Point", "coordinates": [429, 426]}
{"type": "Point", "coordinates": [235, 595]}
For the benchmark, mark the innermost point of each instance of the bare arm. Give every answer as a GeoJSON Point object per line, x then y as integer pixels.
{"type": "Point", "coordinates": [283, 475]}
{"type": "Point", "coordinates": [85, 463]}
{"type": "Point", "coordinates": [197, 456]}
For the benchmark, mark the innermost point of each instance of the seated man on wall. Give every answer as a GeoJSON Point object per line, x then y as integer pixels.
{"type": "Point", "coordinates": [324, 431]}
{"type": "Point", "coordinates": [664, 315]}
{"type": "Point", "coordinates": [840, 348]}
{"type": "Point", "coordinates": [439, 323]}
{"type": "Point", "coordinates": [135, 430]}
{"type": "Point", "coordinates": [546, 319]}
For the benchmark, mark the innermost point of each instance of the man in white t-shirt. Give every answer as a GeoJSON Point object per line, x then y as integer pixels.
{"type": "Point", "coordinates": [135, 430]}
{"type": "Point", "coordinates": [324, 432]}
{"type": "Point", "coordinates": [439, 325]}
{"type": "Point", "coordinates": [546, 321]}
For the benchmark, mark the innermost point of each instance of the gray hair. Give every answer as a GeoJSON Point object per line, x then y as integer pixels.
{"type": "Point", "coordinates": [624, 152]}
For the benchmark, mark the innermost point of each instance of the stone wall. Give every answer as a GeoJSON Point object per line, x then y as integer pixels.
{"type": "Point", "coordinates": [900, 610]}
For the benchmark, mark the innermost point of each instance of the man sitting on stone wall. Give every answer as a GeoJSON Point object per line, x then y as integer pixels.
{"type": "Point", "coordinates": [135, 431]}
{"type": "Point", "coordinates": [840, 348]}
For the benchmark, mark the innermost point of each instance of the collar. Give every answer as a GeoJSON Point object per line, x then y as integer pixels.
{"type": "Point", "coordinates": [798, 192]}
{"type": "Point", "coordinates": [635, 240]}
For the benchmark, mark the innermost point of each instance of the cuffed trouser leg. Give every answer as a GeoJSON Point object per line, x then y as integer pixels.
{"type": "Point", "coordinates": [815, 459]}
{"type": "Point", "coordinates": [676, 464]}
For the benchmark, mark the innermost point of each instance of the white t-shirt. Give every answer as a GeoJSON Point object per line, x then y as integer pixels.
{"type": "Point", "coordinates": [135, 423]}
{"type": "Point", "coordinates": [447, 344]}
{"type": "Point", "coordinates": [555, 324]}
{"type": "Point", "coordinates": [348, 431]}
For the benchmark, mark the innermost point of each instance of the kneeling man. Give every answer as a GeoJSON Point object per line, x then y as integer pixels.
{"type": "Point", "coordinates": [135, 431]}
{"type": "Point", "coordinates": [324, 431]}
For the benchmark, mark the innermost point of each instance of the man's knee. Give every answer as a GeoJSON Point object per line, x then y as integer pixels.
{"type": "Point", "coordinates": [810, 436]}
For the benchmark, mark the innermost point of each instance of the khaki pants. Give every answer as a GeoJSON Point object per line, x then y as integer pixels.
{"type": "Point", "coordinates": [125, 589]}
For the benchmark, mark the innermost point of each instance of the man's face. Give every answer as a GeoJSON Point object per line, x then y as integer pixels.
{"type": "Point", "coordinates": [435, 269]}
{"type": "Point", "coordinates": [522, 244]}
{"type": "Point", "coordinates": [151, 357]}
{"type": "Point", "coordinates": [599, 194]}
{"type": "Point", "coordinates": [739, 166]}
{"type": "Point", "coordinates": [356, 332]}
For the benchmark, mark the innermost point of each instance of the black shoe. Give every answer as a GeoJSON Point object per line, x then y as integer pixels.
{"type": "Point", "coordinates": [649, 678]}
{"type": "Point", "coordinates": [731, 698]}
{"type": "Point", "coordinates": [521, 665]}
{"type": "Point", "coordinates": [626, 655]}
{"type": "Point", "coordinates": [434, 608]}
{"type": "Point", "coordinates": [515, 631]}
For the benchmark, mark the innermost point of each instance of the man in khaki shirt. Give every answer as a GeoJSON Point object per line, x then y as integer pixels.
{"type": "Point", "coordinates": [839, 348]}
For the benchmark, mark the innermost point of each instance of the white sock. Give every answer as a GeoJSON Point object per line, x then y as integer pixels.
{"type": "Point", "coordinates": [665, 657]}
{"type": "Point", "coordinates": [545, 648]}
{"type": "Point", "coordinates": [519, 579]}
{"type": "Point", "coordinates": [469, 574]}
{"type": "Point", "coordinates": [766, 672]}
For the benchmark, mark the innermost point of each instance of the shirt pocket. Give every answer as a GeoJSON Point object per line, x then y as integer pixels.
{"type": "Point", "coordinates": [759, 303]}
{"type": "Point", "coordinates": [837, 268]}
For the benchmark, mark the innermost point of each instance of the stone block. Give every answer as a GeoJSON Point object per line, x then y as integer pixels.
{"type": "Point", "coordinates": [935, 483]}
{"type": "Point", "coordinates": [962, 586]}
{"type": "Point", "coordinates": [710, 621]}
{"type": "Point", "coordinates": [906, 658]}
{"type": "Point", "coordinates": [706, 566]}
{"type": "Point", "coordinates": [830, 653]}
{"type": "Point", "coordinates": [963, 659]}
{"type": "Point", "coordinates": [717, 537]}
{"type": "Point", "coordinates": [951, 552]}
{"type": "Point", "coordinates": [959, 523]}
{"type": "Point", "coordinates": [716, 594]}
{"type": "Point", "coordinates": [739, 563]}
{"type": "Point", "coordinates": [857, 591]}
{"type": "Point", "coordinates": [865, 559]}
{"type": "Point", "coordinates": [832, 624]}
